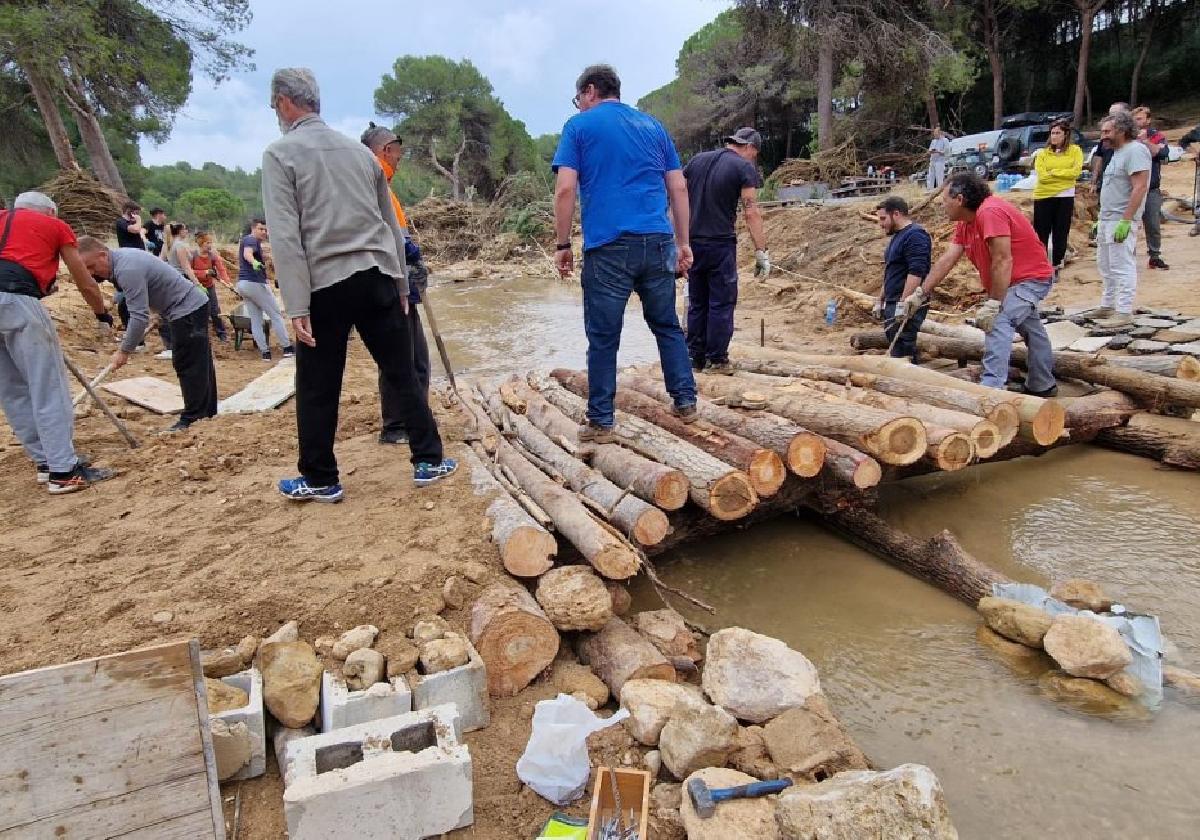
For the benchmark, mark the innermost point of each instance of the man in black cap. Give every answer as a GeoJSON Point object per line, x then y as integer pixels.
{"type": "Point", "coordinates": [717, 181]}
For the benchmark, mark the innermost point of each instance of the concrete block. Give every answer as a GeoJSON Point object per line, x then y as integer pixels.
{"type": "Point", "coordinates": [464, 686]}
{"type": "Point", "coordinates": [252, 717]}
{"type": "Point", "coordinates": [341, 707]}
{"type": "Point", "coordinates": [404, 777]}
{"type": "Point", "coordinates": [282, 740]}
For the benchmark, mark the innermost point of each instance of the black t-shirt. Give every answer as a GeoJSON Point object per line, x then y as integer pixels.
{"type": "Point", "coordinates": [715, 182]}
{"type": "Point", "coordinates": [126, 239]}
{"type": "Point", "coordinates": [154, 236]}
{"type": "Point", "coordinates": [1105, 152]}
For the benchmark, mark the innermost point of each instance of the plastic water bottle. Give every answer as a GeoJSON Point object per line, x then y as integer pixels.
{"type": "Point", "coordinates": [831, 312]}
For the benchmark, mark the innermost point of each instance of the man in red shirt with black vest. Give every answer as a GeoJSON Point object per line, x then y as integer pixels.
{"type": "Point", "coordinates": [33, 384]}
{"type": "Point", "coordinates": [1014, 271]}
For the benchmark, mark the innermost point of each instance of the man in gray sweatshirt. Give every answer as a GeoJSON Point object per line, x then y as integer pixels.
{"type": "Point", "coordinates": [151, 285]}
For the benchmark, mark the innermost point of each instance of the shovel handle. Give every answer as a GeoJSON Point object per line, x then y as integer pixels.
{"type": "Point", "coordinates": [751, 790]}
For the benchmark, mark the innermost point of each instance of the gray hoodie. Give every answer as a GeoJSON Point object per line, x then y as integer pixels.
{"type": "Point", "coordinates": [150, 285]}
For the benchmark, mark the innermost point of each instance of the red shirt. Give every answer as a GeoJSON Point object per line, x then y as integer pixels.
{"type": "Point", "coordinates": [996, 217]}
{"type": "Point", "coordinates": [202, 263]}
{"type": "Point", "coordinates": [34, 243]}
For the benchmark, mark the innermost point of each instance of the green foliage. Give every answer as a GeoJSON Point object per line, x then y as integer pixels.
{"type": "Point", "coordinates": [165, 187]}
{"type": "Point", "coordinates": [547, 145]}
{"type": "Point", "coordinates": [215, 209]}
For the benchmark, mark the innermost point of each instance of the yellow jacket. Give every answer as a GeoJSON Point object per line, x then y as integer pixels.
{"type": "Point", "coordinates": [1056, 171]}
{"type": "Point", "coordinates": [388, 172]}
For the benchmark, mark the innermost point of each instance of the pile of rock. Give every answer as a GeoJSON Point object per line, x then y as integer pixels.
{"type": "Point", "coordinates": [1150, 331]}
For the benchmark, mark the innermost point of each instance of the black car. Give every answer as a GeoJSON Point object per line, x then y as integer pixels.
{"type": "Point", "coordinates": [1023, 134]}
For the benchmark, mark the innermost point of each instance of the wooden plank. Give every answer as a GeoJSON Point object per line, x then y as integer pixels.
{"type": "Point", "coordinates": [271, 390]}
{"type": "Point", "coordinates": [110, 747]}
{"type": "Point", "coordinates": [158, 395]}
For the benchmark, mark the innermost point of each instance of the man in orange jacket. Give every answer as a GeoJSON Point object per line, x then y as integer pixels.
{"type": "Point", "coordinates": [387, 148]}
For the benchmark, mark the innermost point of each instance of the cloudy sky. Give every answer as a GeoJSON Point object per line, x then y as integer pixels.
{"type": "Point", "coordinates": [531, 51]}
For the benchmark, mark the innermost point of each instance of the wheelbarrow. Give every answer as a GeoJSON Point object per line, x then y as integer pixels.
{"type": "Point", "coordinates": [239, 319]}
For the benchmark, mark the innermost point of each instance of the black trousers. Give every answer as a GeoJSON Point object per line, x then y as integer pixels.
{"type": "Point", "coordinates": [391, 402]}
{"type": "Point", "coordinates": [191, 356]}
{"type": "Point", "coordinates": [214, 312]}
{"type": "Point", "coordinates": [368, 301]}
{"type": "Point", "coordinates": [1052, 216]}
{"type": "Point", "coordinates": [906, 345]}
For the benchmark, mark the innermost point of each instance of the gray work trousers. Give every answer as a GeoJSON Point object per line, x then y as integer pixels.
{"type": "Point", "coordinates": [260, 303]}
{"type": "Point", "coordinates": [33, 383]}
{"type": "Point", "coordinates": [1019, 314]}
{"type": "Point", "coordinates": [1152, 222]}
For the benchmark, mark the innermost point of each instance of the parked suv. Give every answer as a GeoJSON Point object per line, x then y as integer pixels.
{"type": "Point", "coordinates": [1023, 134]}
{"type": "Point", "coordinates": [982, 162]}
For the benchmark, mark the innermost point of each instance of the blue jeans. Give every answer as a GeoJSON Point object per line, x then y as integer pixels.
{"type": "Point", "coordinates": [712, 296]}
{"type": "Point", "coordinates": [642, 263]}
{"type": "Point", "coordinates": [1019, 314]}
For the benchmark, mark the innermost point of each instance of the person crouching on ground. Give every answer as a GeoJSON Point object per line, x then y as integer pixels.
{"type": "Point", "coordinates": [209, 269]}
{"type": "Point", "coordinates": [256, 293]}
{"type": "Point", "coordinates": [905, 265]}
{"type": "Point", "coordinates": [152, 285]}
{"type": "Point", "coordinates": [1003, 246]}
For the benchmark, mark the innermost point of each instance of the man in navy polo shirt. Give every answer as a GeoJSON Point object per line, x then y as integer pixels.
{"type": "Point", "coordinates": [906, 264]}
{"type": "Point", "coordinates": [627, 172]}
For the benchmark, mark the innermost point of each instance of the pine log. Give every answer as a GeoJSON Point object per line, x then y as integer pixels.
{"type": "Point", "coordinates": [889, 437]}
{"type": "Point", "coordinates": [526, 548]}
{"type": "Point", "coordinates": [1087, 416]}
{"type": "Point", "coordinates": [662, 486]}
{"type": "Point", "coordinates": [955, 330]}
{"type": "Point", "coordinates": [1172, 440]}
{"type": "Point", "coordinates": [618, 653]}
{"type": "Point", "coordinates": [764, 468]}
{"type": "Point", "coordinates": [514, 638]}
{"type": "Point", "coordinates": [940, 560]}
{"type": "Point", "coordinates": [725, 492]}
{"type": "Point", "coordinates": [635, 518]}
{"type": "Point", "coordinates": [1180, 367]}
{"type": "Point", "coordinates": [607, 553]}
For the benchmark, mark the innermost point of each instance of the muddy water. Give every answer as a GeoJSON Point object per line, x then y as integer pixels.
{"type": "Point", "coordinates": [900, 659]}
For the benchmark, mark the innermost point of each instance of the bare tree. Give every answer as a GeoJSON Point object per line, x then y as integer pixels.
{"type": "Point", "coordinates": [1087, 19]}
{"type": "Point", "coordinates": [1147, 36]}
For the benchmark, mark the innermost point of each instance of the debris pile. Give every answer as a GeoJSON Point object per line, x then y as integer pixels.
{"type": "Point", "coordinates": [84, 203]}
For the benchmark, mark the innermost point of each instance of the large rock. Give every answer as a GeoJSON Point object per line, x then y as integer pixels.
{"type": "Point", "coordinates": [221, 663]}
{"type": "Point", "coordinates": [651, 704]}
{"type": "Point", "coordinates": [1185, 681]}
{"type": "Point", "coordinates": [809, 743]}
{"type": "Point", "coordinates": [1084, 647]}
{"type": "Point", "coordinates": [223, 697]}
{"type": "Point", "coordinates": [697, 738]}
{"type": "Point", "coordinates": [1021, 659]}
{"type": "Point", "coordinates": [1081, 594]}
{"type": "Point", "coordinates": [906, 802]}
{"type": "Point", "coordinates": [288, 632]}
{"type": "Point", "coordinates": [1015, 620]}
{"type": "Point", "coordinates": [401, 655]}
{"type": "Point", "coordinates": [1090, 696]}
{"type": "Point", "coordinates": [357, 638]}
{"type": "Point", "coordinates": [738, 819]}
{"type": "Point", "coordinates": [574, 598]}
{"type": "Point", "coordinates": [667, 631]}
{"type": "Point", "coordinates": [445, 653]}
{"type": "Point", "coordinates": [755, 677]}
{"type": "Point", "coordinates": [291, 676]}
{"type": "Point", "coordinates": [363, 668]}
{"type": "Point", "coordinates": [751, 755]}
{"type": "Point", "coordinates": [571, 678]}
{"type": "Point", "coordinates": [1089, 344]}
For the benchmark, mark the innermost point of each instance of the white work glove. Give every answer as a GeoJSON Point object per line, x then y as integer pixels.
{"type": "Point", "coordinates": [911, 304]}
{"type": "Point", "coordinates": [985, 318]}
{"type": "Point", "coordinates": [762, 263]}
{"type": "Point", "coordinates": [877, 310]}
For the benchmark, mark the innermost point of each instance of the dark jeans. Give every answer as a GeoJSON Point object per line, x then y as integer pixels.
{"type": "Point", "coordinates": [642, 263]}
{"type": "Point", "coordinates": [214, 312]}
{"type": "Point", "coordinates": [389, 399]}
{"type": "Point", "coordinates": [369, 302]}
{"type": "Point", "coordinates": [906, 345]}
{"type": "Point", "coordinates": [712, 296]}
{"type": "Point", "coordinates": [191, 356]}
{"type": "Point", "coordinates": [1052, 216]}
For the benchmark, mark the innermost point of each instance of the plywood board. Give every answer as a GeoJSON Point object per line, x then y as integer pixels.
{"type": "Point", "coordinates": [158, 395]}
{"type": "Point", "coordinates": [271, 390]}
{"type": "Point", "coordinates": [117, 746]}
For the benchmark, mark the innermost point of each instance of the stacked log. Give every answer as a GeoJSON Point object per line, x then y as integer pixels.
{"type": "Point", "coordinates": [526, 548]}
{"type": "Point", "coordinates": [1172, 440]}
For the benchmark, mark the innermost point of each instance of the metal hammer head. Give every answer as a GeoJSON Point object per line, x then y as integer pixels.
{"type": "Point", "coordinates": [702, 799]}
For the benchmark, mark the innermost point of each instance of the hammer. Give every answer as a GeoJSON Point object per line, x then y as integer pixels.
{"type": "Point", "coordinates": [705, 799]}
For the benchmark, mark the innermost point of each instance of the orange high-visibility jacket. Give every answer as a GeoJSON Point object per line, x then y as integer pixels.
{"type": "Point", "coordinates": [389, 171]}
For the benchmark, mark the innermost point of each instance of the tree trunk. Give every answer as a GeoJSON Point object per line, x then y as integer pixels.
{"type": "Point", "coordinates": [526, 548]}
{"type": "Point", "coordinates": [931, 107]}
{"type": "Point", "coordinates": [991, 42]}
{"type": "Point", "coordinates": [825, 62]}
{"type": "Point", "coordinates": [1172, 440]}
{"type": "Point", "coordinates": [513, 636]}
{"type": "Point", "coordinates": [662, 486]}
{"type": "Point", "coordinates": [724, 492]}
{"type": "Point", "coordinates": [103, 165]}
{"type": "Point", "coordinates": [47, 106]}
{"type": "Point", "coordinates": [940, 560]}
{"type": "Point", "coordinates": [1087, 416]}
{"type": "Point", "coordinates": [890, 438]}
{"type": "Point", "coordinates": [1179, 367]}
{"type": "Point", "coordinates": [1087, 16]}
{"type": "Point", "coordinates": [618, 653]}
{"type": "Point", "coordinates": [451, 174]}
{"type": "Point", "coordinates": [764, 468]}
{"type": "Point", "coordinates": [1136, 76]}
{"type": "Point", "coordinates": [637, 520]}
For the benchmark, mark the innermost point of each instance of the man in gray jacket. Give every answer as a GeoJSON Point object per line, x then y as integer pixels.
{"type": "Point", "coordinates": [151, 285]}
{"type": "Point", "coordinates": [339, 257]}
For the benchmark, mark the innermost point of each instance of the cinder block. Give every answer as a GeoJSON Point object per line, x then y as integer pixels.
{"type": "Point", "coordinates": [341, 707]}
{"type": "Point", "coordinates": [464, 686]}
{"type": "Point", "coordinates": [283, 738]}
{"type": "Point", "coordinates": [251, 715]}
{"type": "Point", "coordinates": [404, 777]}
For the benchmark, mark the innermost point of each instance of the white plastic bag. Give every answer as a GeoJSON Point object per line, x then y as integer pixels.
{"type": "Point", "coordinates": [555, 762]}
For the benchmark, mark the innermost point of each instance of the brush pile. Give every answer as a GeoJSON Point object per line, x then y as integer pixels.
{"type": "Point", "coordinates": [84, 203]}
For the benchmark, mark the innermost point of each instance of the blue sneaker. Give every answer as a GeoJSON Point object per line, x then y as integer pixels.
{"type": "Point", "coordinates": [428, 473]}
{"type": "Point", "coordinates": [299, 490]}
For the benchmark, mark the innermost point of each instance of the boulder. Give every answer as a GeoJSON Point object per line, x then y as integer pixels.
{"type": "Point", "coordinates": [455, 592]}
{"type": "Point", "coordinates": [1081, 594]}
{"type": "Point", "coordinates": [756, 677]}
{"type": "Point", "coordinates": [231, 746]}
{"type": "Point", "coordinates": [363, 668]}
{"type": "Point", "coordinates": [1084, 647]}
{"type": "Point", "coordinates": [574, 598]}
{"type": "Point", "coordinates": [247, 648]}
{"type": "Point", "coordinates": [291, 676]}
{"type": "Point", "coordinates": [429, 628]}
{"type": "Point", "coordinates": [667, 631]}
{"type": "Point", "coordinates": [1021, 659]}
{"type": "Point", "coordinates": [1125, 683]}
{"type": "Point", "coordinates": [357, 638]}
{"type": "Point", "coordinates": [739, 819]}
{"type": "Point", "coordinates": [1015, 620]}
{"type": "Point", "coordinates": [573, 678]}
{"type": "Point", "coordinates": [652, 702]}
{"type": "Point", "coordinates": [809, 742]}
{"type": "Point", "coordinates": [401, 655]}
{"type": "Point", "coordinates": [445, 653]}
{"type": "Point", "coordinates": [1089, 696]}
{"type": "Point", "coordinates": [751, 756]}
{"type": "Point", "coordinates": [288, 632]}
{"type": "Point", "coordinates": [904, 802]}
{"type": "Point", "coordinates": [223, 697]}
{"type": "Point", "coordinates": [652, 761]}
{"type": "Point", "coordinates": [695, 738]}
{"type": "Point", "coordinates": [221, 663]}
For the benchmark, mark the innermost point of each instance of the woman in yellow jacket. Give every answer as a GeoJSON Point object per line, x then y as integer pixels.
{"type": "Point", "coordinates": [1058, 166]}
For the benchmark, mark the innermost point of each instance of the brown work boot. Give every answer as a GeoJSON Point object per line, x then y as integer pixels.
{"type": "Point", "coordinates": [1120, 319]}
{"type": "Point", "coordinates": [686, 413]}
{"type": "Point", "coordinates": [1100, 312]}
{"type": "Point", "coordinates": [721, 368]}
{"type": "Point", "coordinates": [596, 434]}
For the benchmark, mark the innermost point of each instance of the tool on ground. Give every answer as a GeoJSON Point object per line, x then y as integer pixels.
{"type": "Point", "coordinates": [99, 378]}
{"type": "Point", "coordinates": [91, 392]}
{"type": "Point", "coordinates": [705, 799]}
{"type": "Point", "coordinates": [437, 338]}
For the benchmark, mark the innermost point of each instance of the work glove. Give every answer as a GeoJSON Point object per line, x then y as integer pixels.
{"type": "Point", "coordinates": [985, 318]}
{"type": "Point", "coordinates": [913, 303]}
{"type": "Point", "coordinates": [105, 318]}
{"type": "Point", "coordinates": [877, 310]}
{"type": "Point", "coordinates": [762, 263]}
{"type": "Point", "coordinates": [257, 266]}
{"type": "Point", "coordinates": [1121, 231]}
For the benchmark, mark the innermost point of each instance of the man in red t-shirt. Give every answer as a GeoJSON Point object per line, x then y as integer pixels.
{"type": "Point", "coordinates": [1014, 271]}
{"type": "Point", "coordinates": [33, 385]}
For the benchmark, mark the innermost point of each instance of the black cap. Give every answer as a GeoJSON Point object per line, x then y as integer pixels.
{"type": "Point", "coordinates": [746, 137]}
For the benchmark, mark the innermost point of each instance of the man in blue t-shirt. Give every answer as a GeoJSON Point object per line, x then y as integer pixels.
{"type": "Point", "coordinates": [906, 264]}
{"type": "Point", "coordinates": [717, 181]}
{"type": "Point", "coordinates": [627, 172]}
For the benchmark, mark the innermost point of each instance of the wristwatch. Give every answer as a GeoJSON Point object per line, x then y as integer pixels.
{"type": "Point", "coordinates": [563, 246]}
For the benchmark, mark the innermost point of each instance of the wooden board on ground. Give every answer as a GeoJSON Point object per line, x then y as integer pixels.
{"type": "Point", "coordinates": [271, 390]}
{"type": "Point", "coordinates": [117, 746]}
{"type": "Point", "coordinates": [158, 395]}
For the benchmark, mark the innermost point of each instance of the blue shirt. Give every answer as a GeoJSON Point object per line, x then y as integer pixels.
{"type": "Point", "coordinates": [622, 157]}
{"type": "Point", "coordinates": [245, 270]}
{"type": "Point", "coordinates": [909, 252]}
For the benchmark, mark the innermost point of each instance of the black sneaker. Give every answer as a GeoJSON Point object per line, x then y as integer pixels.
{"type": "Point", "coordinates": [721, 368]}
{"type": "Point", "coordinates": [394, 437]}
{"type": "Point", "coordinates": [289, 352]}
{"type": "Point", "coordinates": [43, 470]}
{"type": "Point", "coordinates": [698, 366]}
{"type": "Point", "coordinates": [178, 426]}
{"type": "Point", "coordinates": [1052, 391]}
{"type": "Point", "coordinates": [79, 478]}
{"type": "Point", "coordinates": [1157, 262]}
{"type": "Point", "coordinates": [266, 355]}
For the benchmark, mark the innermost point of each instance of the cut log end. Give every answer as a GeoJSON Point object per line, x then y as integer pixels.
{"type": "Point", "coordinates": [867, 473]}
{"type": "Point", "coordinates": [616, 562]}
{"type": "Point", "coordinates": [986, 438]}
{"type": "Point", "coordinates": [671, 490]}
{"type": "Point", "coordinates": [1189, 369]}
{"type": "Point", "coordinates": [901, 441]}
{"type": "Point", "coordinates": [1048, 423]}
{"type": "Point", "coordinates": [513, 636]}
{"type": "Point", "coordinates": [529, 552]}
{"type": "Point", "coordinates": [766, 472]}
{"type": "Point", "coordinates": [1007, 420]}
{"type": "Point", "coordinates": [953, 452]}
{"type": "Point", "coordinates": [652, 527]}
{"type": "Point", "coordinates": [731, 497]}
{"type": "Point", "coordinates": [806, 455]}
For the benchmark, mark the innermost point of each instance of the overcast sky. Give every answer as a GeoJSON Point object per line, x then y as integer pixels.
{"type": "Point", "coordinates": [530, 50]}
